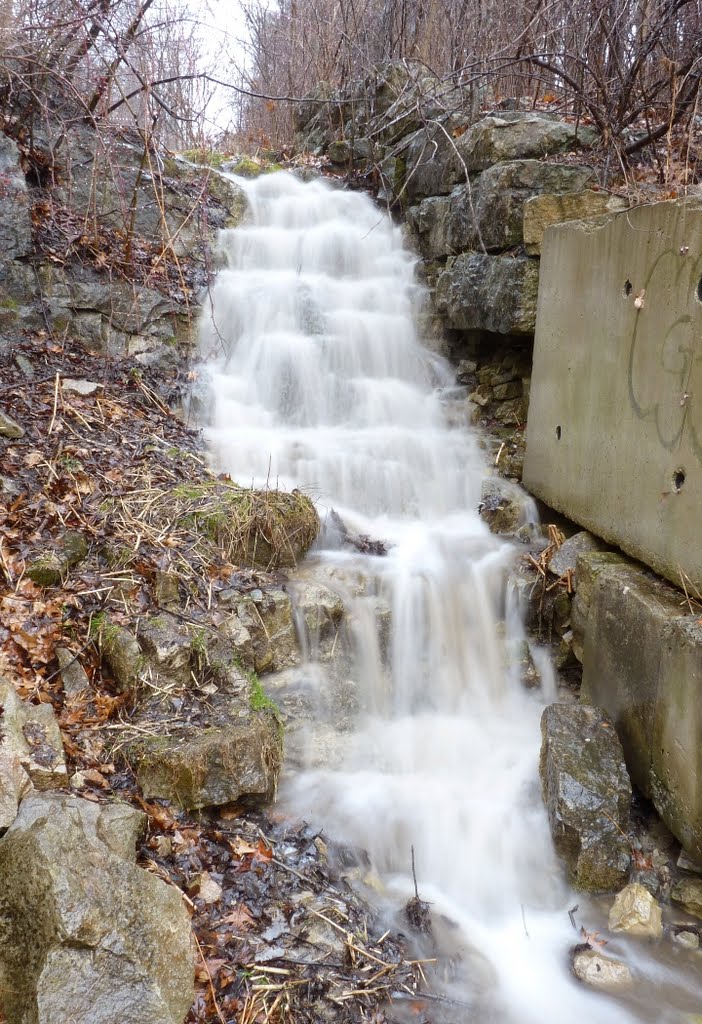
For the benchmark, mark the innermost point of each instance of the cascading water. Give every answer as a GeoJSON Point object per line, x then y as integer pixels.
{"type": "Point", "coordinates": [320, 383]}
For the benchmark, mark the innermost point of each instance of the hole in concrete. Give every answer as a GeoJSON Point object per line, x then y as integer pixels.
{"type": "Point", "coordinates": [699, 290]}
{"type": "Point", "coordinates": [678, 480]}
{"type": "Point", "coordinates": [558, 433]}
{"type": "Point", "coordinates": [628, 287]}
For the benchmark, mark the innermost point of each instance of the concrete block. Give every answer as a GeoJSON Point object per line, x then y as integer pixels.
{"type": "Point", "coordinates": [629, 611]}
{"type": "Point", "coordinates": [614, 436]}
{"type": "Point", "coordinates": [642, 663]}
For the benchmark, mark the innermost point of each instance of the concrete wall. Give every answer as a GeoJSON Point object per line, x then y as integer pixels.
{"type": "Point", "coordinates": [642, 662]}
{"type": "Point", "coordinates": [614, 435]}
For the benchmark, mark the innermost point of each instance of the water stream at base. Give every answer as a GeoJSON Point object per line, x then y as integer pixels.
{"type": "Point", "coordinates": [423, 738]}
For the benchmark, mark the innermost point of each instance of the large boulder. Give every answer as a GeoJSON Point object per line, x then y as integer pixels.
{"type": "Point", "coordinates": [497, 138]}
{"type": "Point", "coordinates": [488, 293]}
{"type": "Point", "coordinates": [587, 793]}
{"type": "Point", "coordinates": [87, 936]}
{"type": "Point", "coordinates": [489, 211]}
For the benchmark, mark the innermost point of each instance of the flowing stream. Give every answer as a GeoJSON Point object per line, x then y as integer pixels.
{"type": "Point", "coordinates": [424, 738]}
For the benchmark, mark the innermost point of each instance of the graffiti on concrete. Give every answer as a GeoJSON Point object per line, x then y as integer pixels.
{"type": "Point", "coordinates": [665, 369]}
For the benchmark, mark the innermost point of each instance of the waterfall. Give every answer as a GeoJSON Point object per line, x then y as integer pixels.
{"type": "Point", "coordinates": [319, 381]}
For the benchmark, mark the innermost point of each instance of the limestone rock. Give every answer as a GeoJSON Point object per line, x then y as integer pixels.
{"type": "Point", "coordinates": [564, 558]}
{"type": "Point", "coordinates": [636, 912]}
{"type": "Point", "coordinates": [210, 766]}
{"type": "Point", "coordinates": [73, 675]}
{"type": "Point", "coordinates": [123, 655]}
{"type": "Point", "coordinates": [261, 628]}
{"type": "Point", "coordinates": [15, 220]}
{"type": "Point", "coordinates": [601, 972]}
{"type": "Point", "coordinates": [9, 428]}
{"type": "Point", "coordinates": [478, 292]}
{"type": "Point", "coordinates": [503, 505]}
{"type": "Point", "coordinates": [688, 893]}
{"type": "Point", "coordinates": [31, 750]}
{"type": "Point", "coordinates": [587, 793]}
{"type": "Point", "coordinates": [542, 211]}
{"type": "Point", "coordinates": [489, 210]}
{"type": "Point", "coordinates": [88, 937]}
{"type": "Point", "coordinates": [495, 139]}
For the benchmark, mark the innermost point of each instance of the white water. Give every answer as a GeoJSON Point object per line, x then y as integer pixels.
{"type": "Point", "coordinates": [319, 382]}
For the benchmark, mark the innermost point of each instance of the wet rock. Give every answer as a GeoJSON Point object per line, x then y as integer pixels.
{"type": "Point", "coordinates": [636, 912]}
{"type": "Point", "coordinates": [600, 972]}
{"type": "Point", "coordinates": [688, 893]}
{"type": "Point", "coordinates": [478, 292]}
{"type": "Point", "coordinates": [587, 793]}
{"type": "Point", "coordinates": [212, 765]}
{"type": "Point", "coordinates": [542, 211]}
{"type": "Point", "coordinates": [73, 675]}
{"type": "Point", "coordinates": [689, 940]}
{"type": "Point", "coordinates": [88, 936]}
{"type": "Point", "coordinates": [31, 749]}
{"type": "Point", "coordinates": [564, 558]}
{"type": "Point", "coordinates": [9, 428]}
{"type": "Point", "coordinates": [503, 505]}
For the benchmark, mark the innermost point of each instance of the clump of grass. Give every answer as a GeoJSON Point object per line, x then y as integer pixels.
{"type": "Point", "coordinates": [269, 529]}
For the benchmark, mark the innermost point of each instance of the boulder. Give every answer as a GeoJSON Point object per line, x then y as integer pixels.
{"type": "Point", "coordinates": [88, 937]}
{"type": "Point", "coordinates": [636, 912]}
{"type": "Point", "coordinates": [496, 138]}
{"type": "Point", "coordinates": [212, 764]}
{"type": "Point", "coordinates": [600, 972]}
{"type": "Point", "coordinates": [587, 793]}
{"type": "Point", "coordinates": [478, 292]}
{"type": "Point", "coordinates": [688, 893]}
{"type": "Point", "coordinates": [15, 217]}
{"type": "Point", "coordinates": [541, 211]}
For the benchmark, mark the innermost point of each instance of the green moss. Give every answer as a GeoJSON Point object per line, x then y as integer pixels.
{"type": "Point", "coordinates": [9, 303]}
{"type": "Point", "coordinates": [206, 157]}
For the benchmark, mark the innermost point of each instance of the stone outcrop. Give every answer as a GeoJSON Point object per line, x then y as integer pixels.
{"type": "Point", "coordinates": [498, 294]}
{"type": "Point", "coordinates": [228, 759]}
{"type": "Point", "coordinates": [541, 211]}
{"type": "Point", "coordinates": [15, 212]}
{"type": "Point", "coordinates": [488, 212]}
{"type": "Point", "coordinates": [587, 795]}
{"type": "Point", "coordinates": [87, 936]}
